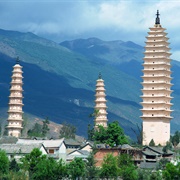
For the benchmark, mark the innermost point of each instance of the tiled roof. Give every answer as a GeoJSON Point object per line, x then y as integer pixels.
{"type": "Point", "coordinates": [19, 148]}
{"type": "Point", "coordinates": [72, 142]}
{"type": "Point", "coordinates": [148, 165]}
{"type": "Point", "coordinates": [8, 140]}
{"type": "Point", "coordinates": [46, 143]}
{"type": "Point", "coordinates": [158, 149]}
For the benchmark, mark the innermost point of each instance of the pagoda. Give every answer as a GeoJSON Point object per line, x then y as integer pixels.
{"type": "Point", "coordinates": [156, 105]}
{"type": "Point", "coordinates": [15, 102]}
{"type": "Point", "coordinates": [100, 113]}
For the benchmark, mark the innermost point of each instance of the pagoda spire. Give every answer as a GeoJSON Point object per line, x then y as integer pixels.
{"type": "Point", "coordinates": [157, 18]}
{"type": "Point", "coordinates": [156, 91]}
{"type": "Point", "coordinates": [100, 104]}
{"type": "Point", "coordinates": [15, 112]}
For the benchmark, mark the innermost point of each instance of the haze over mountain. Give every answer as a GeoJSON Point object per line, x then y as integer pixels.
{"type": "Point", "coordinates": [59, 79]}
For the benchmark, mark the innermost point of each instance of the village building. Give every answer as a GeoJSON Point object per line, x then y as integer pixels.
{"type": "Point", "coordinates": [55, 148]}
{"type": "Point", "coordinates": [17, 151]}
{"type": "Point", "coordinates": [100, 108]}
{"type": "Point", "coordinates": [152, 156]}
{"type": "Point", "coordinates": [102, 150]}
{"type": "Point", "coordinates": [156, 105]}
{"type": "Point", "coordinates": [15, 102]}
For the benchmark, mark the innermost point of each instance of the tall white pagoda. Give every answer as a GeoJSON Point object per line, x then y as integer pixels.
{"type": "Point", "coordinates": [100, 104]}
{"type": "Point", "coordinates": [15, 102]}
{"type": "Point", "coordinates": [156, 111]}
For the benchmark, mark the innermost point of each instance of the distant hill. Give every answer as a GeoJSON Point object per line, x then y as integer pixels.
{"type": "Point", "coordinates": [59, 81]}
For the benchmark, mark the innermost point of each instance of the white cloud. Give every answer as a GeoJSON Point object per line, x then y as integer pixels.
{"type": "Point", "coordinates": [109, 20]}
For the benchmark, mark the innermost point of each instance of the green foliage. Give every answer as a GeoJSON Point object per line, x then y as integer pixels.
{"type": "Point", "coordinates": [171, 172]}
{"type": "Point", "coordinates": [14, 166]}
{"type": "Point", "coordinates": [4, 163]}
{"type": "Point", "coordinates": [67, 131]}
{"type": "Point", "coordinates": [45, 127]}
{"type": "Point", "coordinates": [127, 167]}
{"type": "Point", "coordinates": [61, 170]}
{"type": "Point", "coordinates": [162, 163]}
{"type": "Point", "coordinates": [112, 135]}
{"type": "Point", "coordinates": [175, 139]}
{"type": "Point", "coordinates": [90, 132]}
{"type": "Point", "coordinates": [152, 143]}
{"type": "Point", "coordinates": [109, 167]}
{"type": "Point", "coordinates": [46, 168]}
{"type": "Point", "coordinates": [167, 147]}
{"type": "Point", "coordinates": [91, 170]}
{"type": "Point", "coordinates": [76, 168]}
{"type": "Point", "coordinates": [5, 133]}
{"type": "Point", "coordinates": [36, 131]}
{"type": "Point", "coordinates": [30, 161]}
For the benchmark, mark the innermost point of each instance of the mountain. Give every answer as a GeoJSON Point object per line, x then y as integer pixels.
{"type": "Point", "coordinates": [59, 81]}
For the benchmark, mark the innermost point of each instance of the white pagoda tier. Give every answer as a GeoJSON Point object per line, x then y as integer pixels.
{"type": "Point", "coordinates": [15, 103]}
{"type": "Point", "coordinates": [156, 105]}
{"type": "Point", "coordinates": [100, 104]}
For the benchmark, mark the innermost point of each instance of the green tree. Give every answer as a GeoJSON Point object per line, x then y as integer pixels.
{"type": "Point", "coordinates": [152, 143]}
{"type": "Point", "coordinates": [127, 169]}
{"type": "Point", "coordinates": [30, 161]}
{"type": "Point", "coordinates": [36, 131]}
{"type": "Point", "coordinates": [76, 169]}
{"type": "Point", "coordinates": [167, 147]}
{"type": "Point", "coordinates": [45, 169]}
{"type": "Point", "coordinates": [171, 172]}
{"type": "Point", "coordinates": [14, 166]}
{"type": "Point", "coordinates": [45, 127]}
{"type": "Point", "coordinates": [90, 132]}
{"type": "Point", "coordinates": [112, 135]}
{"type": "Point", "coordinates": [67, 131]}
{"type": "Point", "coordinates": [4, 163]}
{"type": "Point", "coordinates": [91, 169]}
{"type": "Point", "coordinates": [109, 167]}
{"type": "Point", "coordinates": [175, 139]}
{"type": "Point", "coordinates": [61, 170]}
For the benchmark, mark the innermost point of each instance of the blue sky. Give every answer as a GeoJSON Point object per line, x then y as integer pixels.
{"type": "Point", "coordinates": [61, 20]}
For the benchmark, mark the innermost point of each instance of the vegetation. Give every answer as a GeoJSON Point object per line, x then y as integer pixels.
{"type": "Point", "coordinates": [39, 130]}
{"type": "Point", "coordinates": [37, 166]}
{"type": "Point", "coordinates": [152, 143]}
{"type": "Point", "coordinates": [67, 131]}
{"type": "Point", "coordinates": [113, 135]}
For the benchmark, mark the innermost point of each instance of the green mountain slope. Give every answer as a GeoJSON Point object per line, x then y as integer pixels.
{"type": "Point", "coordinates": [59, 83]}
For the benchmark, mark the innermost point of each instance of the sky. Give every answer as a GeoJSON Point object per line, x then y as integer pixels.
{"type": "Point", "coordinates": [60, 20]}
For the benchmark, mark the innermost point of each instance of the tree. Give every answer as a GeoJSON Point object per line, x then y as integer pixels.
{"type": "Point", "coordinates": [91, 169]}
{"type": "Point", "coordinates": [171, 172]}
{"type": "Point", "coordinates": [61, 170]}
{"type": "Point", "coordinates": [67, 131]}
{"type": "Point", "coordinates": [100, 135]}
{"type": "Point", "coordinates": [127, 167]}
{"type": "Point", "coordinates": [45, 127]}
{"type": "Point", "coordinates": [45, 169]}
{"type": "Point", "coordinates": [14, 166]}
{"type": "Point", "coordinates": [167, 147]}
{"type": "Point", "coordinates": [90, 132]}
{"type": "Point", "coordinates": [152, 143]}
{"type": "Point", "coordinates": [109, 167]}
{"type": "Point", "coordinates": [4, 163]}
{"type": "Point", "coordinates": [36, 131]}
{"type": "Point", "coordinates": [175, 139]}
{"type": "Point", "coordinates": [76, 168]}
{"type": "Point", "coordinates": [30, 161]}
{"type": "Point", "coordinates": [113, 135]}
{"type": "Point", "coordinates": [116, 134]}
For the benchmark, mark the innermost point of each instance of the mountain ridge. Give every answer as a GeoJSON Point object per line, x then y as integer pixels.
{"type": "Point", "coordinates": [59, 83]}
